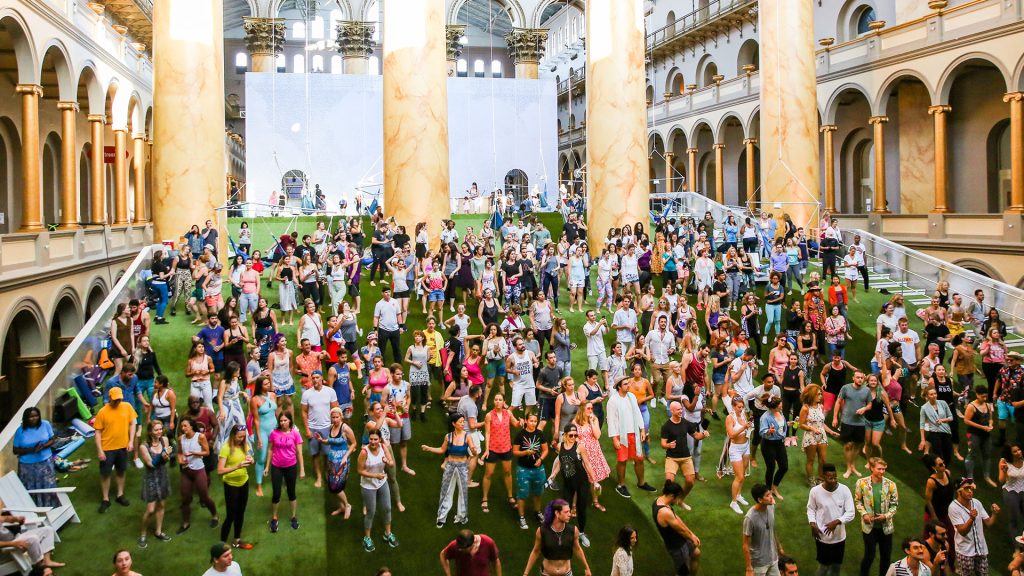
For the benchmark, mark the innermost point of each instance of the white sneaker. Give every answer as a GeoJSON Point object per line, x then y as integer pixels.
{"type": "Point", "coordinates": [685, 506]}
{"type": "Point", "coordinates": [584, 541]}
{"type": "Point", "coordinates": [742, 500]}
{"type": "Point", "coordinates": [764, 339]}
{"type": "Point", "coordinates": [138, 463]}
{"type": "Point", "coordinates": [736, 507]}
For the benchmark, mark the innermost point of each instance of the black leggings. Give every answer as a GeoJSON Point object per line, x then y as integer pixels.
{"type": "Point", "coordinates": [776, 461]}
{"type": "Point", "coordinates": [991, 371]}
{"type": "Point", "coordinates": [311, 290]}
{"type": "Point", "coordinates": [941, 445]}
{"type": "Point", "coordinates": [289, 475]}
{"type": "Point", "coordinates": [377, 267]}
{"type": "Point", "coordinates": [580, 488]}
{"type": "Point", "coordinates": [791, 407]}
{"type": "Point", "coordinates": [235, 500]}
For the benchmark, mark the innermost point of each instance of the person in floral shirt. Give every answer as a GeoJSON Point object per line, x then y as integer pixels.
{"type": "Point", "coordinates": [877, 500]}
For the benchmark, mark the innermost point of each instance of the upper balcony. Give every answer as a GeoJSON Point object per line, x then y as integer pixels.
{"type": "Point", "coordinates": [704, 23]}
{"type": "Point", "coordinates": [136, 15]}
{"type": "Point", "coordinates": [576, 82]}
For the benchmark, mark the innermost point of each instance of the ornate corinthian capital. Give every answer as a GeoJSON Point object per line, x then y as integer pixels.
{"type": "Point", "coordinates": [526, 45]}
{"type": "Point", "coordinates": [355, 39]}
{"type": "Point", "coordinates": [453, 34]}
{"type": "Point", "coordinates": [264, 35]}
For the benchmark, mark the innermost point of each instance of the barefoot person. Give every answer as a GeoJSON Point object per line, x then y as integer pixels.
{"type": "Point", "coordinates": [37, 541]}
{"type": "Point", "coordinates": [341, 444]}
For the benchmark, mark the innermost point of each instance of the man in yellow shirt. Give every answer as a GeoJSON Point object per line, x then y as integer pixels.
{"type": "Point", "coordinates": [115, 441]}
{"type": "Point", "coordinates": [434, 342]}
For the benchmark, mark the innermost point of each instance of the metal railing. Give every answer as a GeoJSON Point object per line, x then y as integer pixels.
{"type": "Point", "coordinates": [82, 354]}
{"type": "Point", "coordinates": [696, 19]}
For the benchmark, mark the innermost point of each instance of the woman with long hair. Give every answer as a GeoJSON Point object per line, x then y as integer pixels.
{"type": "Point", "coordinates": [229, 401]}
{"type": "Point", "coordinates": [457, 447]}
{"type": "Point", "coordinates": [373, 483]}
{"type": "Point", "coordinates": [234, 458]}
{"type": "Point", "coordinates": [184, 284]}
{"type": "Point", "coordinates": [286, 464]}
{"type": "Point", "coordinates": [737, 450]}
{"type": "Point", "coordinates": [279, 365]}
{"type": "Point", "coordinates": [575, 473]}
{"type": "Point", "coordinates": [377, 420]}
{"type": "Point", "coordinates": [192, 449]}
{"type": "Point", "coordinates": [417, 356]}
{"type": "Point", "coordinates": [199, 368]}
{"type": "Point", "coordinates": [589, 428]}
{"type": "Point", "coordinates": [341, 444]}
{"type": "Point", "coordinates": [262, 411]}
{"type": "Point", "coordinates": [155, 453]}
{"type": "Point", "coordinates": [625, 544]}
{"type": "Point", "coordinates": [122, 337]}
{"type": "Point", "coordinates": [495, 350]}
{"type": "Point", "coordinates": [816, 432]}
{"type": "Point", "coordinates": [264, 326]}
{"type": "Point", "coordinates": [498, 448]}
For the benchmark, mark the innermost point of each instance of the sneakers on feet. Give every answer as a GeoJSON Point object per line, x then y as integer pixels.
{"type": "Point", "coordinates": [742, 500]}
{"type": "Point", "coordinates": [440, 524]}
{"type": "Point", "coordinates": [540, 518]}
{"type": "Point", "coordinates": [584, 541]}
{"type": "Point", "coordinates": [647, 487]}
{"type": "Point", "coordinates": [295, 523]}
{"type": "Point", "coordinates": [163, 537]}
{"type": "Point", "coordinates": [273, 525]}
{"type": "Point", "coordinates": [104, 506]}
{"type": "Point", "coordinates": [736, 507]}
{"type": "Point", "coordinates": [121, 500]}
{"type": "Point", "coordinates": [523, 524]}
{"type": "Point", "coordinates": [142, 542]}
{"type": "Point", "coordinates": [391, 540]}
{"type": "Point", "coordinates": [685, 506]}
{"type": "Point", "coordinates": [368, 544]}
{"type": "Point", "coordinates": [622, 491]}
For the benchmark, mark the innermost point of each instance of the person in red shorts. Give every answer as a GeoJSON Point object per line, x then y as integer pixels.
{"type": "Point", "coordinates": [472, 554]}
{"type": "Point", "coordinates": [626, 429]}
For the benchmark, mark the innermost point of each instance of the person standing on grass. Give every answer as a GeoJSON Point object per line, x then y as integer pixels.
{"type": "Point", "coordinates": [115, 426]}
{"type": "Point", "coordinates": [530, 448]}
{"type": "Point", "coordinates": [682, 544]}
{"type": "Point", "coordinates": [498, 447]}
{"type": "Point", "coordinates": [155, 453]}
{"type": "Point", "coordinates": [553, 547]}
{"type": "Point", "coordinates": [286, 463]}
{"type": "Point", "coordinates": [877, 501]}
{"type": "Point", "coordinates": [317, 403]}
{"type": "Point", "coordinates": [675, 433]}
{"type": "Point", "coordinates": [761, 546]}
{"type": "Point", "coordinates": [373, 483]}
{"type": "Point", "coordinates": [852, 403]}
{"type": "Point", "coordinates": [626, 429]}
{"type": "Point", "coordinates": [969, 520]}
{"type": "Point", "coordinates": [388, 321]}
{"type": "Point", "coordinates": [829, 509]}
{"type": "Point", "coordinates": [234, 459]}
{"type": "Point", "coordinates": [472, 554]}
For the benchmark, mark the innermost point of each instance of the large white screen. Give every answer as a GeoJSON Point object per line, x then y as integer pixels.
{"type": "Point", "coordinates": [329, 126]}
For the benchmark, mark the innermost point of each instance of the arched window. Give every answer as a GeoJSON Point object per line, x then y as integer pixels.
{"type": "Point", "coordinates": [299, 30]}
{"type": "Point", "coordinates": [495, 69]}
{"type": "Point", "coordinates": [373, 66]}
{"type": "Point", "coordinates": [670, 23]}
{"type": "Point", "coordinates": [298, 64]}
{"type": "Point", "coordinates": [462, 68]}
{"type": "Point", "coordinates": [710, 71]}
{"type": "Point", "coordinates": [318, 63]}
{"type": "Point", "coordinates": [282, 63]}
{"type": "Point", "coordinates": [241, 63]}
{"type": "Point", "coordinates": [865, 16]}
{"type": "Point", "coordinates": [479, 69]}
{"type": "Point", "coordinates": [316, 28]}
{"type": "Point", "coordinates": [335, 64]}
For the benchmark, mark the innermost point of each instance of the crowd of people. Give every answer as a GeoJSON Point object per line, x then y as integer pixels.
{"type": "Point", "coordinates": [674, 317]}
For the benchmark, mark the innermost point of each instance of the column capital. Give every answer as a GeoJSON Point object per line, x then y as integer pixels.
{"type": "Point", "coordinates": [828, 128]}
{"type": "Point", "coordinates": [940, 109]}
{"type": "Point", "coordinates": [139, 136]}
{"type": "Point", "coordinates": [1013, 97]}
{"type": "Point", "coordinates": [750, 141]}
{"type": "Point", "coordinates": [670, 155]}
{"type": "Point", "coordinates": [719, 146]}
{"type": "Point", "coordinates": [526, 45]}
{"type": "Point", "coordinates": [101, 118]}
{"type": "Point", "coordinates": [29, 89]}
{"type": "Point", "coordinates": [263, 35]}
{"type": "Point", "coordinates": [123, 130]}
{"type": "Point", "coordinates": [878, 120]}
{"type": "Point", "coordinates": [691, 150]}
{"type": "Point", "coordinates": [453, 34]}
{"type": "Point", "coordinates": [73, 106]}
{"type": "Point", "coordinates": [354, 39]}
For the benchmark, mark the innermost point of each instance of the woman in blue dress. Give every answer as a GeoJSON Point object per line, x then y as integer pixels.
{"type": "Point", "coordinates": [229, 402]}
{"type": "Point", "coordinates": [32, 446]}
{"type": "Point", "coordinates": [341, 443]}
{"type": "Point", "coordinates": [263, 404]}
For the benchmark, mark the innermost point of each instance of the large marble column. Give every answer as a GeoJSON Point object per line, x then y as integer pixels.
{"type": "Point", "coordinates": [751, 172]}
{"type": "Point", "coordinates": [453, 34]}
{"type": "Point", "coordinates": [880, 202]}
{"type": "Point", "coordinates": [618, 173]}
{"type": "Point", "coordinates": [120, 177]}
{"type": "Point", "coordinates": [188, 117]}
{"type": "Point", "coordinates": [68, 165]}
{"type": "Point", "coordinates": [691, 171]}
{"type": "Point", "coordinates": [416, 114]}
{"type": "Point", "coordinates": [526, 48]}
{"type": "Point", "coordinates": [1016, 100]}
{"type": "Point", "coordinates": [789, 122]}
{"type": "Point", "coordinates": [720, 173]}
{"type": "Point", "coordinates": [669, 172]}
{"type": "Point", "coordinates": [97, 183]}
{"type": "Point", "coordinates": [941, 158]}
{"type": "Point", "coordinates": [139, 176]}
{"type": "Point", "coordinates": [264, 38]}
{"type": "Point", "coordinates": [354, 41]}
{"type": "Point", "coordinates": [34, 369]}
{"type": "Point", "coordinates": [31, 196]}
{"type": "Point", "coordinates": [830, 167]}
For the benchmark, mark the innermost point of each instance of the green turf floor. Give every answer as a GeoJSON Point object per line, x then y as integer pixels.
{"type": "Point", "coordinates": [325, 543]}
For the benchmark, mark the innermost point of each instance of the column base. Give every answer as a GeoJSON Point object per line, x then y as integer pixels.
{"type": "Point", "coordinates": [32, 228]}
{"type": "Point", "coordinates": [72, 226]}
{"type": "Point", "coordinates": [1014, 210]}
{"type": "Point", "coordinates": [883, 211]}
{"type": "Point", "coordinates": [940, 211]}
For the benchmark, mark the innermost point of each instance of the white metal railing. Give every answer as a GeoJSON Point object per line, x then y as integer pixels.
{"type": "Point", "coordinates": [82, 352]}
{"type": "Point", "coordinates": [699, 17]}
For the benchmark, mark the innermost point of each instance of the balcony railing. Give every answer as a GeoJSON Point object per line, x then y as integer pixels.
{"type": "Point", "coordinates": [575, 81]}
{"type": "Point", "coordinates": [699, 18]}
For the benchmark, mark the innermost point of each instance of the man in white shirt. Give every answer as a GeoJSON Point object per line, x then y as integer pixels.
{"type": "Point", "coordinates": [829, 508]}
{"type": "Point", "coordinates": [317, 403]}
{"type": "Point", "coordinates": [449, 234]}
{"type": "Point", "coordinates": [624, 323]}
{"type": "Point", "coordinates": [861, 259]}
{"type": "Point", "coordinates": [222, 562]}
{"type": "Point", "coordinates": [976, 311]}
{"type": "Point", "coordinates": [969, 520]}
{"type": "Point", "coordinates": [909, 341]}
{"type": "Point", "coordinates": [626, 429]}
{"type": "Point", "coordinates": [662, 345]}
{"type": "Point", "coordinates": [387, 319]}
{"type": "Point", "coordinates": [741, 373]}
{"type": "Point", "coordinates": [597, 358]}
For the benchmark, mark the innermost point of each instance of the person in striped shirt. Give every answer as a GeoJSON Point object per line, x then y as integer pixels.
{"type": "Point", "coordinates": [915, 562]}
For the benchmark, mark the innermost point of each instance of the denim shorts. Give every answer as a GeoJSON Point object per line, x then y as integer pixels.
{"type": "Point", "coordinates": [875, 426]}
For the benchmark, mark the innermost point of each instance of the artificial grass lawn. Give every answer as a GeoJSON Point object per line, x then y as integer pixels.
{"type": "Point", "coordinates": [327, 543]}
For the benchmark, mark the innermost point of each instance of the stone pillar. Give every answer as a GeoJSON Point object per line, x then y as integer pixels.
{"type": "Point", "coordinates": [879, 128]}
{"type": "Point", "coordinates": [120, 177]}
{"type": "Point", "coordinates": [416, 114]}
{"type": "Point", "coordinates": [669, 171]}
{"type": "Point", "coordinates": [789, 119]}
{"type": "Point", "coordinates": [97, 182]}
{"type": "Point", "coordinates": [188, 122]}
{"type": "Point", "coordinates": [526, 48]}
{"type": "Point", "coordinates": [720, 173]}
{"type": "Point", "coordinates": [751, 173]}
{"type": "Point", "coordinates": [31, 199]}
{"type": "Point", "coordinates": [691, 171]}
{"type": "Point", "coordinates": [830, 167]}
{"type": "Point", "coordinates": [618, 173]}
{"type": "Point", "coordinates": [68, 165]}
{"type": "Point", "coordinates": [264, 38]}
{"type": "Point", "coordinates": [941, 158]}
{"type": "Point", "coordinates": [354, 42]}
{"type": "Point", "coordinates": [34, 368]}
{"type": "Point", "coordinates": [453, 34]}
{"type": "Point", "coordinates": [139, 176]}
{"type": "Point", "coordinates": [1016, 100]}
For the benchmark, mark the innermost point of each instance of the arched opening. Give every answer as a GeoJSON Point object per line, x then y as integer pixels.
{"type": "Point", "coordinates": [241, 63]}
{"type": "Point", "coordinates": [650, 94]}
{"type": "Point", "coordinates": [999, 167]}
{"type": "Point", "coordinates": [24, 338]}
{"type": "Point", "coordinates": [863, 177]}
{"type": "Point", "coordinates": [703, 140]}
{"type": "Point", "coordinates": [863, 17]}
{"type": "Point", "coordinates": [730, 133]}
{"type": "Point", "coordinates": [911, 188]}
{"type": "Point", "coordinates": [66, 323]}
{"type": "Point", "coordinates": [10, 175]}
{"type": "Point", "coordinates": [462, 68]}
{"type": "Point", "coordinates": [517, 184]}
{"type": "Point", "coordinates": [656, 158]}
{"type": "Point", "coordinates": [294, 183]}
{"type": "Point", "coordinates": [749, 55]}
{"type": "Point", "coordinates": [282, 63]}
{"type": "Point", "coordinates": [710, 71]}
{"type": "Point", "coordinates": [670, 23]}
{"type": "Point", "coordinates": [479, 68]}
{"type": "Point", "coordinates": [741, 170]}
{"type": "Point", "coordinates": [96, 296]}
{"type": "Point", "coordinates": [495, 68]}
{"type": "Point", "coordinates": [51, 179]}
{"type": "Point", "coordinates": [85, 183]}
{"type": "Point", "coordinates": [299, 64]}
{"type": "Point", "coordinates": [318, 63]}
{"type": "Point", "coordinates": [855, 169]}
